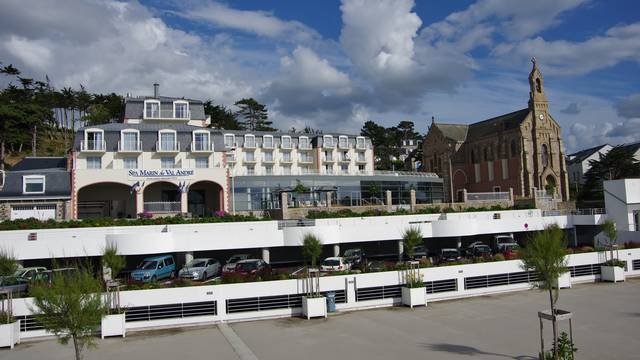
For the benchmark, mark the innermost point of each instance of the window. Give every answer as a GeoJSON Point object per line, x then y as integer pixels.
{"type": "Point", "coordinates": [152, 109]}
{"type": "Point", "coordinates": [328, 155]}
{"type": "Point", "coordinates": [268, 170]}
{"type": "Point", "coordinates": [229, 140]}
{"type": "Point", "coordinates": [490, 170]}
{"type": "Point", "coordinates": [250, 156]}
{"type": "Point", "coordinates": [305, 170]}
{"type": "Point", "coordinates": [251, 170]}
{"type": "Point", "coordinates": [33, 184]}
{"type": "Point", "coordinates": [201, 141]}
{"type": "Point", "coordinates": [545, 155]}
{"type": "Point", "coordinates": [268, 156]}
{"type": "Point", "coordinates": [202, 162]}
{"type": "Point", "coordinates": [496, 189]}
{"type": "Point", "coordinates": [267, 142]}
{"type": "Point", "coordinates": [304, 157]}
{"type": "Point", "coordinates": [249, 141]}
{"type": "Point", "coordinates": [181, 109]}
{"type": "Point", "coordinates": [344, 168]}
{"type": "Point", "coordinates": [344, 156]}
{"type": "Point", "coordinates": [94, 162]}
{"type": "Point", "coordinates": [361, 168]}
{"type": "Point", "coordinates": [360, 144]}
{"type": "Point", "coordinates": [130, 162]}
{"type": "Point", "coordinates": [343, 142]}
{"type": "Point", "coordinates": [286, 157]}
{"type": "Point", "coordinates": [505, 169]}
{"type": "Point", "coordinates": [129, 140]}
{"type": "Point", "coordinates": [167, 162]}
{"type": "Point", "coordinates": [168, 140]}
{"type": "Point", "coordinates": [328, 169]}
{"type": "Point", "coordinates": [285, 142]}
{"type": "Point", "coordinates": [286, 170]}
{"type": "Point", "coordinates": [94, 140]}
{"type": "Point", "coordinates": [231, 157]}
{"type": "Point", "coordinates": [361, 157]}
{"type": "Point", "coordinates": [327, 141]}
{"type": "Point", "coordinates": [476, 167]}
{"type": "Point", "coordinates": [303, 143]}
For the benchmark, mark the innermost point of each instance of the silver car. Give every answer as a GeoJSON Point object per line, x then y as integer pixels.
{"type": "Point", "coordinates": [200, 269]}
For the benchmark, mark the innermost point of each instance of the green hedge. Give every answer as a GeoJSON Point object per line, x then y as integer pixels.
{"type": "Point", "coordinates": [34, 224]}
{"type": "Point", "coordinates": [346, 213]}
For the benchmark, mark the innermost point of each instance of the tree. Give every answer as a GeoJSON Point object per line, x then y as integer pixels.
{"type": "Point", "coordinates": [311, 248]}
{"type": "Point", "coordinates": [221, 117]}
{"type": "Point", "coordinates": [545, 255]}
{"type": "Point", "coordinates": [70, 307]}
{"type": "Point", "coordinates": [411, 238]}
{"type": "Point", "coordinates": [255, 115]}
{"type": "Point", "coordinates": [618, 163]}
{"type": "Point", "coordinates": [609, 229]}
{"type": "Point", "coordinates": [113, 261]}
{"type": "Point", "coordinates": [8, 263]}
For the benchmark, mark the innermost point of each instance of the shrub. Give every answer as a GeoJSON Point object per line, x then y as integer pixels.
{"type": "Point", "coordinates": [8, 263]}
{"type": "Point", "coordinates": [587, 249]}
{"type": "Point", "coordinates": [631, 245]}
{"type": "Point", "coordinates": [311, 248]}
{"type": "Point", "coordinates": [615, 262]}
{"type": "Point", "coordinates": [498, 257]}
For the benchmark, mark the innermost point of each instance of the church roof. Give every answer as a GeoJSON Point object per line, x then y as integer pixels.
{"type": "Point", "coordinates": [461, 132]}
{"type": "Point", "coordinates": [457, 132]}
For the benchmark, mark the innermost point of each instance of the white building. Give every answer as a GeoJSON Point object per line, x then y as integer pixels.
{"type": "Point", "coordinates": [578, 163]}
{"type": "Point", "coordinates": [622, 201]}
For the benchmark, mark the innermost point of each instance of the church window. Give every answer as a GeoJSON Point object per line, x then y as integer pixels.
{"type": "Point", "coordinates": [545, 155]}
{"type": "Point", "coordinates": [538, 85]}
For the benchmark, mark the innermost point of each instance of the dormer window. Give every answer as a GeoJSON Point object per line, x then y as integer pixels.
{"type": "Point", "coordinates": [327, 141]}
{"type": "Point", "coordinates": [33, 184]}
{"type": "Point", "coordinates": [229, 140]}
{"type": "Point", "coordinates": [152, 109]}
{"type": "Point", "coordinates": [249, 141]}
{"type": "Point", "coordinates": [343, 142]}
{"type": "Point", "coordinates": [285, 142]}
{"type": "Point", "coordinates": [93, 140]}
{"type": "Point", "coordinates": [360, 144]}
{"type": "Point", "coordinates": [267, 142]}
{"type": "Point", "coordinates": [303, 143]}
{"type": "Point", "coordinates": [181, 109]}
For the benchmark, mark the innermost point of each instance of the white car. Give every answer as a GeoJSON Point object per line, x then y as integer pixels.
{"type": "Point", "coordinates": [200, 269]}
{"type": "Point", "coordinates": [331, 264]}
{"type": "Point", "coordinates": [230, 265]}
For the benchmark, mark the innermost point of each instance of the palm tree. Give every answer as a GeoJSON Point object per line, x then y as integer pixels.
{"type": "Point", "coordinates": [411, 237]}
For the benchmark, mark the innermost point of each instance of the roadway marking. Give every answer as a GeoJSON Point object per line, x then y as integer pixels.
{"type": "Point", "coordinates": [241, 349]}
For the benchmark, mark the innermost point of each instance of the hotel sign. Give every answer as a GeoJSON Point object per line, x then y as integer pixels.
{"type": "Point", "coordinates": [161, 174]}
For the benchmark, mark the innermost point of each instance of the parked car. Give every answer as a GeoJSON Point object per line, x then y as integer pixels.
{"type": "Point", "coordinates": [511, 252]}
{"type": "Point", "coordinates": [230, 265]}
{"type": "Point", "coordinates": [48, 275]}
{"type": "Point", "coordinates": [355, 257]}
{"type": "Point", "coordinates": [15, 285]}
{"type": "Point", "coordinates": [501, 241]}
{"type": "Point", "coordinates": [252, 267]}
{"type": "Point", "coordinates": [468, 251]}
{"type": "Point", "coordinates": [481, 251]}
{"type": "Point", "coordinates": [337, 263]}
{"type": "Point", "coordinates": [200, 269]}
{"type": "Point", "coordinates": [419, 252]}
{"type": "Point", "coordinates": [448, 255]}
{"type": "Point", "coordinates": [29, 273]}
{"type": "Point", "coordinates": [155, 268]}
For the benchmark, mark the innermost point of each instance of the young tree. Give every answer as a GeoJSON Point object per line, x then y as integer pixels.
{"type": "Point", "coordinates": [545, 255]}
{"type": "Point", "coordinates": [70, 307]}
{"type": "Point", "coordinates": [254, 114]}
{"type": "Point", "coordinates": [609, 229]}
{"type": "Point", "coordinates": [113, 261]}
{"type": "Point", "coordinates": [8, 263]}
{"type": "Point", "coordinates": [411, 238]}
{"type": "Point", "coordinates": [311, 248]}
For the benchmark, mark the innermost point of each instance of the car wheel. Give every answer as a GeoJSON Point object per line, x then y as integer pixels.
{"type": "Point", "coordinates": [204, 276]}
{"type": "Point", "coordinates": [172, 275]}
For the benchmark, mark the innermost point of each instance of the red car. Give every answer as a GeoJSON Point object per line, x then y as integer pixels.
{"type": "Point", "coordinates": [511, 252]}
{"type": "Point", "coordinates": [252, 267]}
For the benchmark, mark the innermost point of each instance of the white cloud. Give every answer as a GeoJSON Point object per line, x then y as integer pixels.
{"type": "Point", "coordinates": [33, 53]}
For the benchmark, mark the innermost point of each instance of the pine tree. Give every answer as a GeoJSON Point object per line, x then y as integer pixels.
{"type": "Point", "coordinates": [254, 114]}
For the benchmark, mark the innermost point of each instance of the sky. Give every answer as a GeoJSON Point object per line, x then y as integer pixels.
{"type": "Point", "coordinates": [333, 65]}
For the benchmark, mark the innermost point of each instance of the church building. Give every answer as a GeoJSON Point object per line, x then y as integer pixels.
{"type": "Point", "coordinates": [521, 150]}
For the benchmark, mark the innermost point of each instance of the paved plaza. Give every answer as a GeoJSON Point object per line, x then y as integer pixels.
{"type": "Point", "coordinates": [607, 318]}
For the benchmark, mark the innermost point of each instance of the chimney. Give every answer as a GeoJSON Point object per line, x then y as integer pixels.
{"type": "Point", "coordinates": [156, 90]}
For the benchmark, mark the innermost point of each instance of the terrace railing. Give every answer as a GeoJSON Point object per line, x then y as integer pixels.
{"type": "Point", "coordinates": [162, 206]}
{"type": "Point", "coordinates": [487, 196]}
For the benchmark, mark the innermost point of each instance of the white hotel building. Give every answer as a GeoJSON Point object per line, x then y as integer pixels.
{"type": "Point", "coordinates": [162, 158]}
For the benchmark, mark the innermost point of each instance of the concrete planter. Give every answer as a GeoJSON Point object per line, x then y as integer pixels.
{"type": "Point", "coordinates": [611, 273]}
{"type": "Point", "coordinates": [113, 325]}
{"type": "Point", "coordinates": [564, 281]}
{"type": "Point", "coordinates": [10, 334]}
{"type": "Point", "coordinates": [414, 297]}
{"type": "Point", "coordinates": [314, 307]}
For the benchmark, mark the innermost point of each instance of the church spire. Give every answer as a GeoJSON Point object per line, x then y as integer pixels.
{"type": "Point", "coordinates": [537, 97]}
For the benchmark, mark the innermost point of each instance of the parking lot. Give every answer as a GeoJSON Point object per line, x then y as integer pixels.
{"type": "Point", "coordinates": [491, 327]}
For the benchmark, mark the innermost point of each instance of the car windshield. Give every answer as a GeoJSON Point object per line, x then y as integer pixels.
{"type": "Point", "coordinates": [483, 248]}
{"type": "Point", "coordinates": [148, 265]}
{"type": "Point", "coordinates": [331, 262]}
{"type": "Point", "coordinates": [504, 240]}
{"type": "Point", "coordinates": [449, 253]}
{"type": "Point", "coordinates": [247, 266]}
{"type": "Point", "coordinates": [20, 273]}
{"type": "Point", "coordinates": [196, 263]}
{"type": "Point", "coordinates": [513, 247]}
{"type": "Point", "coordinates": [234, 259]}
{"type": "Point", "coordinates": [351, 252]}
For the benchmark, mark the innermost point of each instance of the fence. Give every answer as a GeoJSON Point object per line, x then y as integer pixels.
{"type": "Point", "coordinates": [487, 196]}
{"type": "Point", "coordinates": [162, 206]}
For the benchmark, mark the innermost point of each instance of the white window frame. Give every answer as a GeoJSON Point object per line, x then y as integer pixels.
{"type": "Point", "coordinates": [200, 158]}
{"type": "Point", "coordinates": [138, 144]}
{"type": "Point", "coordinates": [247, 136]}
{"type": "Point", "coordinates": [233, 140]}
{"type": "Point", "coordinates": [282, 142]}
{"type": "Point", "coordinates": [209, 145]}
{"type": "Point", "coordinates": [124, 161]}
{"type": "Point", "coordinates": [346, 138]}
{"type": "Point", "coordinates": [93, 157]}
{"type": "Point", "coordinates": [168, 157]}
{"type": "Point", "coordinates": [364, 142]}
{"type": "Point", "coordinates": [300, 142]}
{"type": "Point", "coordinates": [34, 177]}
{"type": "Point", "coordinates": [175, 141]}
{"type": "Point", "coordinates": [144, 110]}
{"type": "Point", "coordinates": [324, 141]}
{"type": "Point", "coordinates": [86, 138]}
{"type": "Point", "coordinates": [267, 137]}
{"type": "Point", "coordinates": [174, 109]}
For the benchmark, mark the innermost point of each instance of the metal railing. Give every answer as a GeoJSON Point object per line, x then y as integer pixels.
{"type": "Point", "coordinates": [167, 147]}
{"type": "Point", "coordinates": [594, 211]}
{"type": "Point", "coordinates": [487, 196]}
{"type": "Point", "coordinates": [199, 146]}
{"type": "Point", "coordinates": [129, 146]}
{"type": "Point", "coordinates": [168, 115]}
{"type": "Point", "coordinates": [296, 223]}
{"type": "Point", "coordinates": [260, 172]}
{"type": "Point", "coordinates": [93, 145]}
{"type": "Point", "coordinates": [162, 206]}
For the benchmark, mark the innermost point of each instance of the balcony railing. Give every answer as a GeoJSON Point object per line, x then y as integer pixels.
{"type": "Point", "coordinates": [328, 159]}
{"type": "Point", "coordinates": [487, 196]}
{"type": "Point", "coordinates": [167, 147]}
{"type": "Point", "coordinates": [167, 115]}
{"type": "Point", "coordinates": [361, 146]}
{"type": "Point", "coordinates": [345, 159]}
{"type": "Point", "coordinates": [267, 145]}
{"type": "Point", "coordinates": [268, 160]}
{"type": "Point", "coordinates": [162, 206]}
{"type": "Point", "coordinates": [129, 146]}
{"type": "Point", "coordinates": [199, 146]}
{"type": "Point", "coordinates": [343, 145]}
{"type": "Point", "coordinates": [286, 160]}
{"type": "Point", "coordinates": [93, 146]}
{"type": "Point", "coordinates": [308, 160]}
{"type": "Point", "coordinates": [304, 146]}
{"type": "Point", "coordinates": [288, 146]}
{"type": "Point", "coordinates": [361, 159]}
{"type": "Point", "coordinates": [250, 160]}
{"type": "Point", "coordinates": [304, 171]}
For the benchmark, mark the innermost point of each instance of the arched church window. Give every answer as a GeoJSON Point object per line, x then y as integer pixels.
{"type": "Point", "coordinates": [514, 148]}
{"type": "Point", "coordinates": [473, 156]}
{"type": "Point", "coordinates": [538, 85]}
{"type": "Point", "coordinates": [545, 155]}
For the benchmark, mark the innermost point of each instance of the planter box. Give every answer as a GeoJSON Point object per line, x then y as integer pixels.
{"type": "Point", "coordinates": [314, 307]}
{"type": "Point", "coordinates": [564, 281]}
{"type": "Point", "coordinates": [414, 296]}
{"type": "Point", "coordinates": [113, 325]}
{"type": "Point", "coordinates": [10, 334]}
{"type": "Point", "coordinates": [611, 273]}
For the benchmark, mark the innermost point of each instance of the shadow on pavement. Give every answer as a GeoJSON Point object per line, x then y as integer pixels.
{"type": "Point", "coordinates": [471, 351]}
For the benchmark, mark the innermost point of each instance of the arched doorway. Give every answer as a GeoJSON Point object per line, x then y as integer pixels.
{"type": "Point", "coordinates": [162, 197]}
{"type": "Point", "coordinates": [107, 199]}
{"type": "Point", "coordinates": [550, 185]}
{"type": "Point", "coordinates": [204, 198]}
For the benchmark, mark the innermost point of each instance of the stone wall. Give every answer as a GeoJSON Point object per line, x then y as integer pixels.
{"type": "Point", "coordinates": [62, 208]}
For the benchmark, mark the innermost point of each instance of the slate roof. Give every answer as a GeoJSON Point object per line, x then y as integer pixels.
{"type": "Point", "coordinates": [457, 132]}
{"type": "Point", "coordinates": [581, 155]}
{"type": "Point", "coordinates": [57, 184]}
{"type": "Point", "coordinates": [41, 162]}
{"type": "Point", "coordinates": [633, 146]}
{"type": "Point", "coordinates": [489, 127]}
{"type": "Point", "coordinates": [134, 106]}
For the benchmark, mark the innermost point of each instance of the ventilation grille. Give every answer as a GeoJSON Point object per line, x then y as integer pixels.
{"type": "Point", "coordinates": [273, 302]}
{"type": "Point", "coordinates": [395, 291]}
{"type": "Point", "coordinates": [171, 311]}
{"type": "Point", "coordinates": [584, 270]}
{"type": "Point", "coordinates": [477, 282]}
{"type": "Point", "coordinates": [636, 264]}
